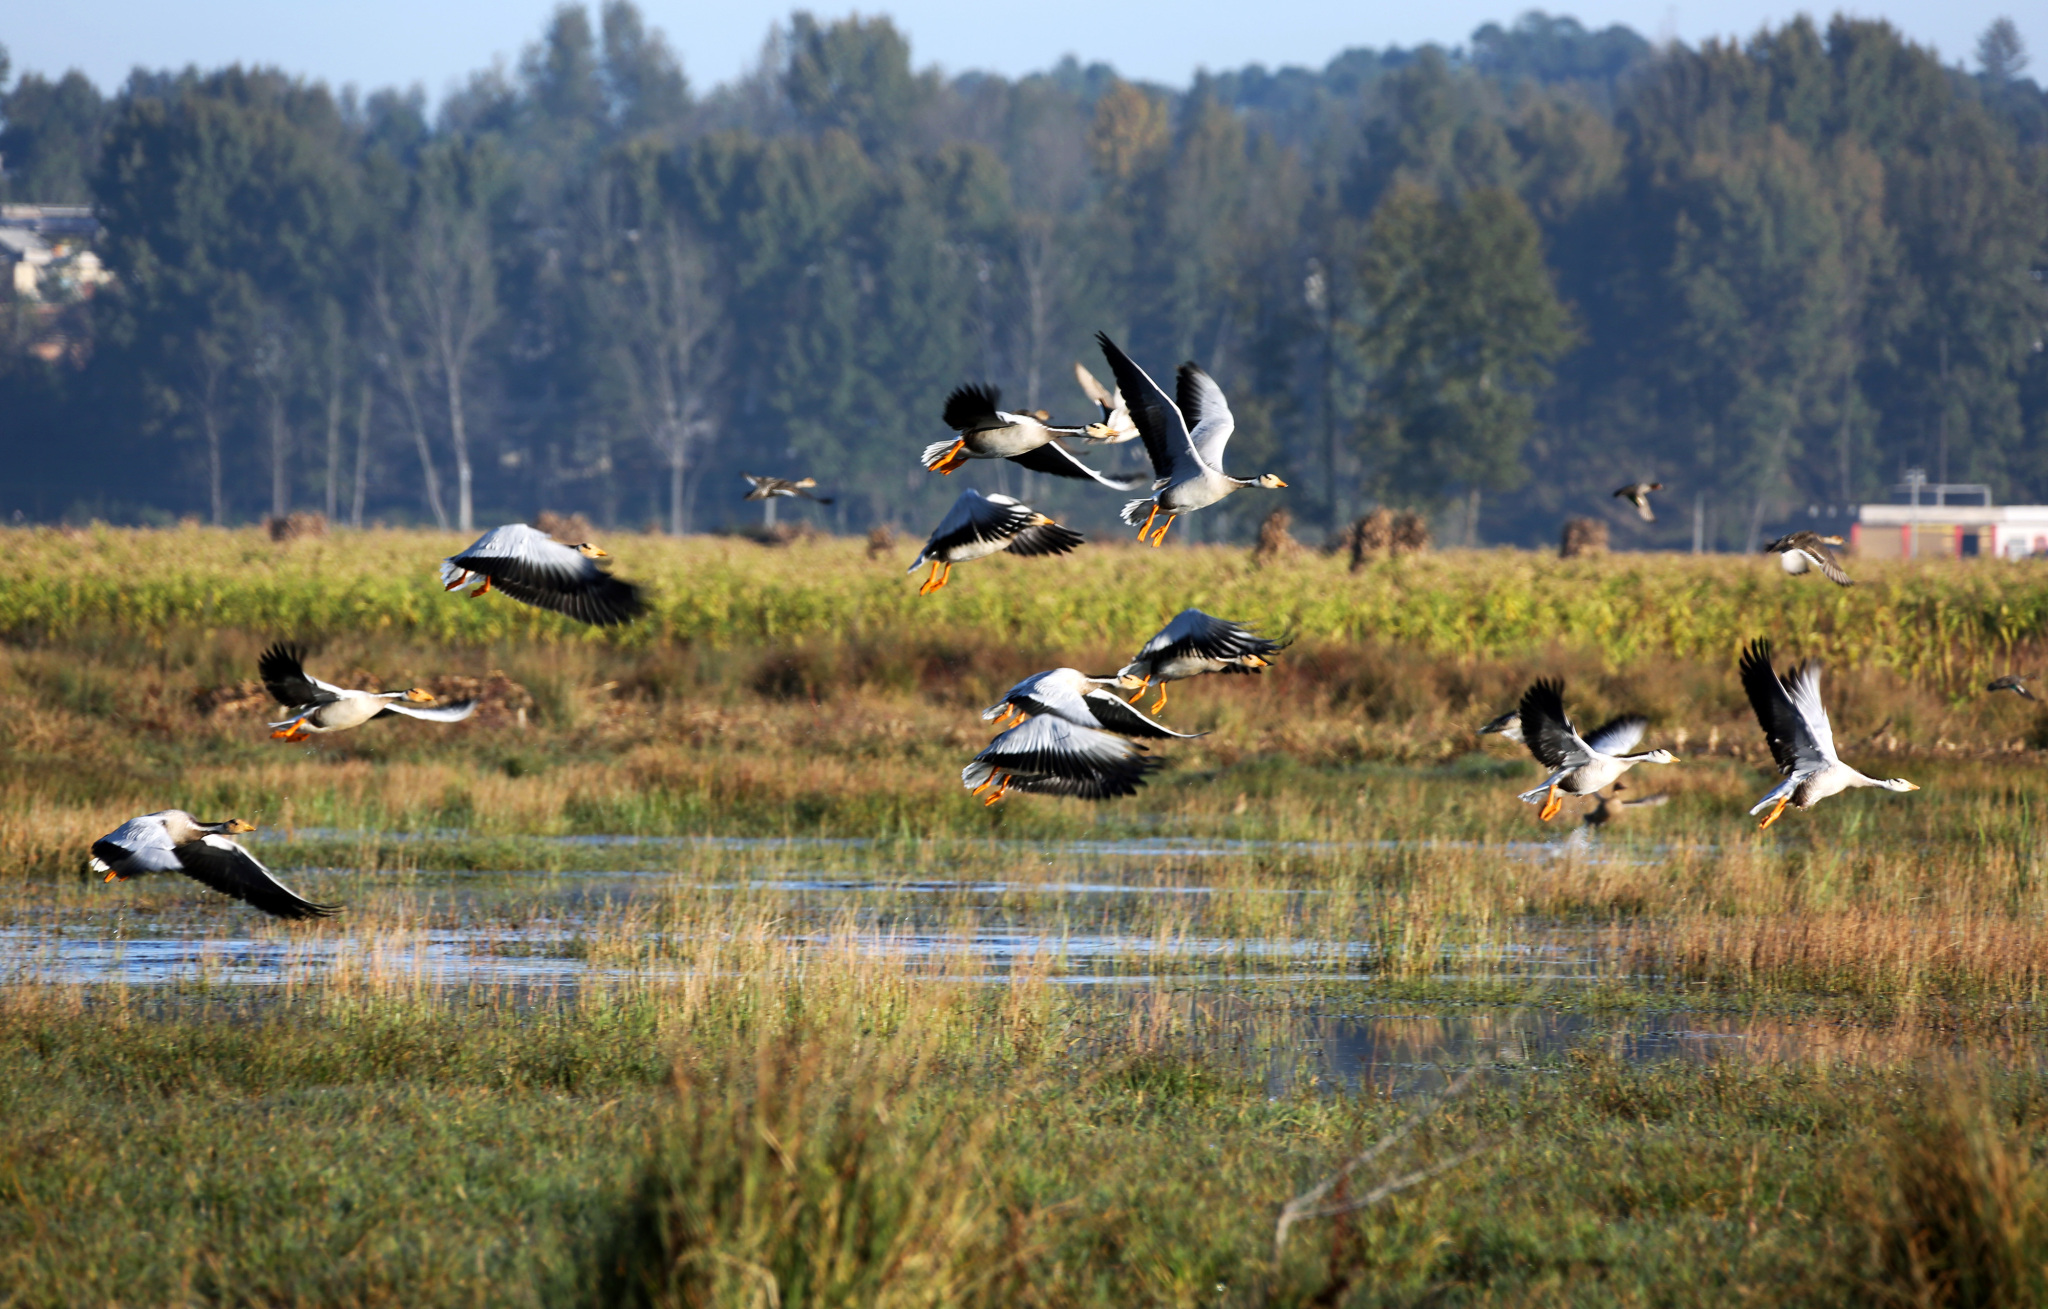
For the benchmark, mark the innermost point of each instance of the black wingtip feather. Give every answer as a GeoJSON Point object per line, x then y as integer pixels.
{"type": "Point", "coordinates": [971, 404]}
{"type": "Point", "coordinates": [1045, 539]}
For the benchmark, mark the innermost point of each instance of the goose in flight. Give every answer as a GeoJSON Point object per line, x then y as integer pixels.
{"type": "Point", "coordinates": [312, 705]}
{"type": "Point", "coordinates": [534, 568]}
{"type": "Point", "coordinates": [1801, 551]}
{"type": "Point", "coordinates": [1638, 494]}
{"type": "Point", "coordinates": [1185, 440]}
{"type": "Point", "coordinates": [2014, 683]}
{"type": "Point", "coordinates": [1192, 644]}
{"type": "Point", "coordinates": [1048, 755]}
{"type": "Point", "coordinates": [1802, 743]}
{"type": "Point", "coordinates": [978, 526]}
{"type": "Point", "coordinates": [766, 488]}
{"type": "Point", "coordinates": [1579, 765]}
{"type": "Point", "coordinates": [173, 841]}
{"type": "Point", "coordinates": [1116, 426]}
{"type": "Point", "coordinates": [1070, 694]}
{"type": "Point", "coordinates": [1508, 726]}
{"type": "Point", "coordinates": [989, 432]}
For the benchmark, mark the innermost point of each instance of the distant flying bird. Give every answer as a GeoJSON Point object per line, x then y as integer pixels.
{"type": "Point", "coordinates": [1192, 644]}
{"type": "Point", "coordinates": [1184, 438]}
{"type": "Point", "coordinates": [978, 526]}
{"type": "Point", "coordinates": [173, 841]}
{"type": "Point", "coordinates": [987, 431]}
{"type": "Point", "coordinates": [1795, 724]}
{"type": "Point", "coordinates": [1579, 765]}
{"type": "Point", "coordinates": [763, 488]}
{"type": "Point", "coordinates": [317, 706]}
{"type": "Point", "coordinates": [534, 568]}
{"type": "Point", "coordinates": [1638, 494]}
{"type": "Point", "coordinates": [1050, 756]}
{"type": "Point", "coordinates": [1508, 725]}
{"type": "Point", "coordinates": [1070, 694]}
{"type": "Point", "coordinates": [2015, 683]}
{"type": "Point", "coordinates": [1801, 551]}
{"type": "Point", "coordinates": [1116, 425]}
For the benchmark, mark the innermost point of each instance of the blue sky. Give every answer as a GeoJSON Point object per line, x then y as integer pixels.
{"type": "Point", "coordinates": [435, 43]}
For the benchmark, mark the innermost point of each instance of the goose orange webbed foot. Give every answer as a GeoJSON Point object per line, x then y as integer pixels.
{"type": "Point", "coordinates": [1776, 811]}
{"type": "Point", "coordinates": [1551, 804]}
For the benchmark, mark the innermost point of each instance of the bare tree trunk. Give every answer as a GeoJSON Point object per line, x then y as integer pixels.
{"type": "Point", "coordinates": [211, 422]}
{"type": "Point", "coordinates": [334, 436]}
{"type": "Point", "coordinates": [362, 480]}
{"type": "Point", "coordinates": [280, 456]}
{"type": "Point", "coordinates": [430, 481]}
{"type": "Point", "coordinates": [465, 515]}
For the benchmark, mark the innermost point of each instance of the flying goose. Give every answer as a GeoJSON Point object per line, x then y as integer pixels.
{"type": "Point", "coordinates": [534, 568]}
{"type": "Point", "coordinates": [1050, 756]}
{"type": "Point", "coordinates": [1638, 494]}
{"type": "Point", "coordinates": [1579, 765]}
{"type": "Point", "coordinates": [1795, 724]}
{"type": "Point", "coordinates": [989, 432]}
{"type": "Point", "coordinates": [1804, 550]}
{"type": "Point", "coordinates": [763, 488]}
{"type": "Point", "coordinates": [1508, 725]}
{"type": "Point", "coordinates": [978, 526]}
{"type": "Point", "coordinates": [1192, 644]}
{"type": "Point", "coordinates": [1069, 694]}
{"type": "Point", "coordinates": [173, 841]}
{"type": "Point", "coordinates": [1185, 441]}
{"type": "Point", "coordinates": [2014, 683]}
{"type": "Point", "coordinates": [316, 706]}
{"type": "Point", "coordinates": [1116, 426]}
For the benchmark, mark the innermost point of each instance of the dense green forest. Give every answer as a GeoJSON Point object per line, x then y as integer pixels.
{"type": "Point", "coordinates": [1492, 282]}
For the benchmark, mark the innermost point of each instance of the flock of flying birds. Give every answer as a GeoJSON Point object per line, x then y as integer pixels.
{"type": "Point", "coordinates": [1063, 731]}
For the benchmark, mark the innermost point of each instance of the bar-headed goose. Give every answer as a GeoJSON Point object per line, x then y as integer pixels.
{"type": "Point", "coordinates": [1048, 755]}
{"type": "Point", "coordinates": [781, 488]}
{"type": "Point", "coordinates": [1185, 441]}
{"type": "Point", "coordinates": [534, 568]}
{"type": "Point", "coordinates": [1802, 743]}
{"type": "Point", "coordinates": [1638, 494]}
{"type": "Point", "coordinates": [1192, 644]}
{"type": "Point", "coordinates": [315, 706]}
{"type": "Point", "coordinates": [978, 526]}
{"type": "Point", "coordinates": [173, 841]}
{"type": "Point", "coordinates": [1072, 695]}
{"type": "Point", "coordinates": [1801, 551]}
{"type": "Point", "coordinates": [1116, 426]}
{"type": "Point", "coordinates": [988, 431]}
{"type": "Point", "coordinates": [1579, 765]}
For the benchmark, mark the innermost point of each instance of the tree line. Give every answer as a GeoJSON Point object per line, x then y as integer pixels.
{"type": "Point", "coordinates": [1490, 283]}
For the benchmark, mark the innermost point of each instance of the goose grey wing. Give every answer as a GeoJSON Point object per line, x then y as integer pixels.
{"type": "Point", "coordinates": [1193, 632]}
{"type": "Point", "coordinates": [1546, 729]}
{"type": "Point", "coordinates": [140, 843]}
{"type": "Point", "coordinates": [976, 517]}
{"type": "Point", "coordinates": [453, 713]}
{"type": "Point", "coordinates": [1112, 714]}
{"type": "Point", "coordinates": [1157, 418]}
{"type": "Point", "coordinates": [225, 866]}
{"type": "Point", "coordinates": [1056, 459]}
{"type": "Point", "coordinates": [1207, 414]}
{"type": "Point", "coordinates": [1618, 737]}
{"type": "Point", "coordinates": [284, 675]}
{"type": "Point", "coordinates": [1052, 756]}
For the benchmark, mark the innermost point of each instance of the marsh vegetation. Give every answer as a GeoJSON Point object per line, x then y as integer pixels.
{"type": "Point", "coordinates": [686, 973]}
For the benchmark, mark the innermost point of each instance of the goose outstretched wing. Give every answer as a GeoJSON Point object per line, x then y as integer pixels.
{"type": "Point", "coordinates": [1546, 729]}
{"type": "Point", "coordinates": [283, 672]}
{"type": "Point", "coordinates": [1789, 710]}
{"type": "Point", "coordinates": [1158, 419]}
{"type": "Point", "coordinates": [225, 866]}
{"type": "Point", "coordinates": [1206, 412]}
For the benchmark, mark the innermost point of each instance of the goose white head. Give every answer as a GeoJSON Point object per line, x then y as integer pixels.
{"type": "Point", "coordinates": [1657, 757]}
{"type": "Point", "coordinates": [1894, 784]}
{"type": "Point", "coordinates": [1271, 481]}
